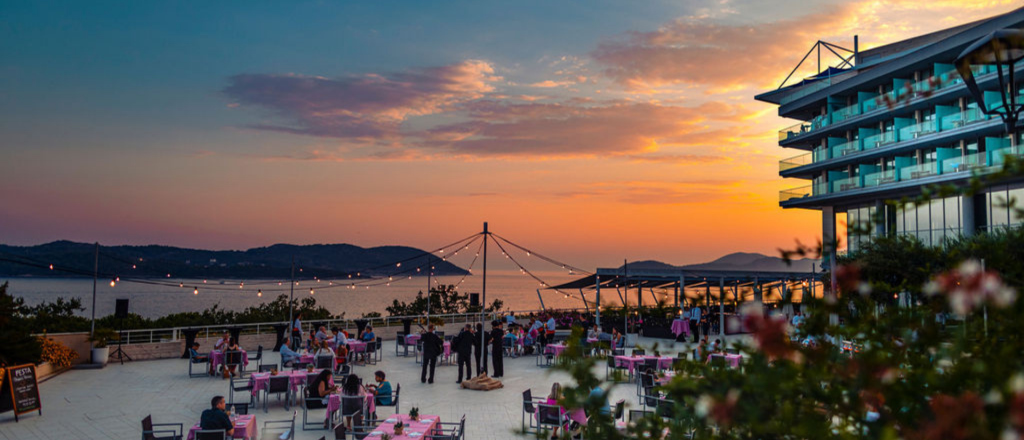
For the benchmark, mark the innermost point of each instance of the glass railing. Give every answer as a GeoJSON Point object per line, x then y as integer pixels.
{"type": "Point", "coordinates": [846, 148]}
{"type": "Point", "coordinates": [822, 154]}
{"type": "Point", "coordinates": [793, 162]}
{"type": "Point", "coordinates": [879, 140]}
{"type": "Point", "coordinates": [965, 117]}
{"type": "Point", "coordinates": [845, 184]}
{"type": "Point", "coordinates": [845, 112]}
{"type": "Point", "coordinates": [919, 171]}
{"type": "Point", "coordinates": [795, 193]}
{"type": "Point", "coordinates": [916, 130]}
{"type": "Point", "coordinates": [964, 163]}
{"type": "Point", "coordinates": [796, 130]}
{"type": "Point", "coordinates": [880, 178]}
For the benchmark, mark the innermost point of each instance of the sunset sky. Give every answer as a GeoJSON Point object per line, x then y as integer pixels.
{"type": "Point", "coordinates": [592, 131]}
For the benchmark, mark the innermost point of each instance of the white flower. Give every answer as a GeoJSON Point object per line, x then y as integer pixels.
{"type": "Point", "coordinates": [703, 405]}
{"type": "Point", "coordinates": [1017, 383]}
{"type": "Point", "coordinates": [864, 289]}
{"type": "Point", "coordinates": [993, 397]}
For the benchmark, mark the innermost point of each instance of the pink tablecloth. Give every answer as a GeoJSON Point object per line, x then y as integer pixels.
{"type": "Point", "coordinates": [664, 362]}
{"type": "Point", "coordinates": [681, 326]}
{"type": "Point", "coordinates": [356, 346]}
{"type": "Point", "coordinates": [733, 359]}
{"type": "Point", "coordinates": [245, 427]}
{"type": "Point", "coordinates": [298, 378]}
{"type": "Point", "coordinates": [555, 349]}
{"type": "Point", "coordinates": [425, 425]}
{"type": "Point", "coordinates": [217, 358]}
{"type": "Point", "coordinates": [411, 339]}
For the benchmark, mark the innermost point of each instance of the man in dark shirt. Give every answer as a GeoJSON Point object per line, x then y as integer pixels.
{"type": "Point", "coordinates": [464, 348]}
{"type": "Point", "coordinates": [494, 338]}
{"type": "Point", "coordinates": [432, 348]}
{"type": "Point", "coordinates": [216, 418]}
{"type": "Point", "coordinates": [481, 361]}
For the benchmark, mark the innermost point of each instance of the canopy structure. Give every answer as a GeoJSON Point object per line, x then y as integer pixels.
{"type": "Point", "coordinates": [681, 279]}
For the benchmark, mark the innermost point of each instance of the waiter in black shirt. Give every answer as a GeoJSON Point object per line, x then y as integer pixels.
{"type": "Point", "coordinates": [481, 368]}
{"type": "Point", "coordinates": [432, 348]}
{"type": "Point", "coordinates": [494, 338]}
{"type": "Point", "coordinates": [463, 343]}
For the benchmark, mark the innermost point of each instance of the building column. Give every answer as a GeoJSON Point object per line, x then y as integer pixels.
{"type": "Point", "coordinates": [828, 240]}
{"type": "Point", "coordinates": [967, 221]}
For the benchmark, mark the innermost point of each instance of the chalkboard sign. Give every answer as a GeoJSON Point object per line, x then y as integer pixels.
{"type": "Point", "coordinates": [20, 391]}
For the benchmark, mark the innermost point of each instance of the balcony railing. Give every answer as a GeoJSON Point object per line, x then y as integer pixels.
{"type": "Point", "coordinates": [821, 155]}
{"type": "Point", "coordinates": [795, 193]}
{"type": "Point", "coordinates": [919, 171]}
{"type": "Point", "coordinates": [879, 140]}
{"type": "Point", "coordinates": [845, 112]}
{"type": "Point", "coordinates": [880, 178]}
{"type": "Point", "coordinates": [793, 162]}
{"type": "Point", "coordinates": [846, 148]}
{"type": "Point", "coordinates": [845, 184]}
{"type": "Point", "coordinates": [796, 130]}
{"type": "Point", "coordinates": [916, 130]}
{"type": "Point", "coordinates": [964, 163]}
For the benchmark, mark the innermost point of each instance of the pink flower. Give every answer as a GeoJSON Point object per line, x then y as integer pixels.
{"type": "Point", "coordinates": [968, 286]}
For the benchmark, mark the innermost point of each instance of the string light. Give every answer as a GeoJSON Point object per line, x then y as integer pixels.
{"type": "Point", "coordinates": [112, 283]}
{"type": "Point", "coordinates": [311, 291]}
{"type": "Point", "coordinates": [259, 293]}
{"type": "Point", "coordinates": [398, 265]}
{"type": "Point", "coordinates": [51, 267]}
{"type": "Point", "coordinates": [195, 291]}
{"type": "Point", "coordinates": [168, 275]}
{"type": "Point", "coordinates": [181, 284]}
{"type": "Point", "coordinates": [133, 266]}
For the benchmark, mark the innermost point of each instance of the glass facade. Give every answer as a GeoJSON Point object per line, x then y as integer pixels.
{"type": "Point", "coordinates": [1004, 206]}
{"type": "Point", "coordinates": [930, 223]}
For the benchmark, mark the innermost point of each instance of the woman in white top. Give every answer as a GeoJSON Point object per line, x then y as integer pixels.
{"type": "Point", "coordinates": [324, 350]}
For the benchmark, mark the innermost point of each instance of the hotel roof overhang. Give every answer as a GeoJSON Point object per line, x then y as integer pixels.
{"type": "Point", "coordinates": [658, 278]}
{"type": "Point", "coordinates": [895, 62]}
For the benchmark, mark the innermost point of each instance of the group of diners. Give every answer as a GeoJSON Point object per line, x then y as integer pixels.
{"type": "Point", "coordinates": [550, 414]}
{"type": "Point", "coordinates": [223, 345]}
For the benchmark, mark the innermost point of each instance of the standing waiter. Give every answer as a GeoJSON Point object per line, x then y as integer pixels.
{"type": "Point", "coordinates": [695, 321]}
{"type": "Point", "coordinates": [463, 343]}
{"type": "Point", "coordinates": [494, 338]}
{"type": "Point", "coordinates": [432, 348]}
{"type": "Point", "coordinates": [481, 368]}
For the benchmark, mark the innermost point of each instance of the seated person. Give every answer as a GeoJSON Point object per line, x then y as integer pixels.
{"type": "Point", "coordinates": [368, 334]}
{"type": "Point", "coordinates": [339, 337]}
{"type": "Point", "coordinates": [594, 333]}
{"type": "Point", "coordinates": [382, 390]}
{"type": "Point", "coordinates": [288, 356]}
{"type": "Point", "coordinates": [351, 388]}
{"type": "Point", "coordinates": [320, 386]}
{"type": "Point", "coordinates": [341, 355]}
{"type": "Point", "coordinates": [198, 357]}
{"type": "Point", "coordinates": [222, 342]}
{"type": "Point", "coordinates": [323, 350]}
{"type": "Point", "coordinates": [231, 346]}
{"type": "Point", "coordinates": [321, 334]}
{"type": "Point", "coordinates": [216, 417]}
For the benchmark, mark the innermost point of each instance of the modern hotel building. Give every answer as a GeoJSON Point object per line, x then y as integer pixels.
{"type": "Point", "coordinates": [900, 119]}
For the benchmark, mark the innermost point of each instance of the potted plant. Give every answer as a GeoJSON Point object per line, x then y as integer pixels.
{"type": "Point", "coordinates": [414, 413]}
{"type": "Point", "coordinates": [399, 428]}
{"type": "Point", "coordinates": [100, 338]}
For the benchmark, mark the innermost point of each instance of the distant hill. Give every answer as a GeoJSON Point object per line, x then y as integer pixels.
{"type": "Point", "coordinates": [738, 261]}
{"type": "Point", "coordinates": [154, 261]}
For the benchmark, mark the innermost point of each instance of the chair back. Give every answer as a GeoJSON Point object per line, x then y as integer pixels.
{"type": "Point", "coordinates": [635, 414]}
{"type": "Point", "coordinates": [646, 380]}
{"type": "Point", "coordinates": [528, 401]}
{"type": "Point", "coordinates": [238, 408]}
{"type": "Point", "coordinates": [210, 434]}
{"type": "Point", "coordinates": [400, 339]}
{"type": "Point", "coordinates": [259, 353]}
{"type": "Point", "coordinates": [147, 428]}
{"type": "Point", "coordinates": [651, 363]}
{"type": "Point", "coordinates": [351, 405]}
{"type": "Point", "coordinates": [665, 408]}
{"type": "Point", "coordinates": [314, 402]}
{"type": "Point", "coordinates": [550, 415]}
{"type": "Point", "coordinates": [278, 384]}
{"type": "Point", "coordinates": [717, 361]}
{"type": "Point", "coordinates": [371, 346]}
{"type": "Point", "coordinates": [233, 358]}
{"type": "Point", "coordinates": [732, 350]}
{"type": "Point", "coordinates": [267, 367]}
{"type": "Point", "coordinates": [620, 406]}
{"type": "Point", "coordinates": [325, 362]}
{"type": "Point", "coordinates": [380, 342]}
{"type": "Point", "coordinates": [241, 384]}
{"type": "Point", "coordinates": [299, 365]}
{"type": "Point", "coordinates": [639, 352]}
{"type": "Point", "coordinates": [339, 432]}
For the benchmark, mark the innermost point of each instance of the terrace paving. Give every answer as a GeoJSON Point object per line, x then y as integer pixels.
{"type": "Point", "coordinates": [109, 403]}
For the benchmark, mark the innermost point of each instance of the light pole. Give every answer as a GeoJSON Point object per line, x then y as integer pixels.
{"type": "Point", "coordinates": [1002, 48]}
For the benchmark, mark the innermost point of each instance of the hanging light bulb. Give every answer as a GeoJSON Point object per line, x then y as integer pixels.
{"type": "Point", "coordinates": [51, 267]}
{"type": "Point", "coordinates": [168, 275]}
{"type": "Point", "coordinates": [133, 266]}
{"type": "Point", "coordinates": [311, 291]}
{"type": "Point", "coordinates": [204, 281]}
{"type": "Point", "coordinates": [181, 284]}
{"type": "Point", "coordinates": [195, 291]}
{"type": "Point", "coordinates": [259, 293]}
{"type": "Point", "coordinates": [398, 265]}
{"type": "Point", "coordinates": [112, 283]}
{"type": "Point", "coordinates": [118, 279]}
{"type": "Point", "coordinates": [349, 276]}
{"type": "Point", "coordinates": [527, 253]}
{"type": "Point", "coordinates": [417, 270]}
{"type": "Point", "coordinates": [241, 285]}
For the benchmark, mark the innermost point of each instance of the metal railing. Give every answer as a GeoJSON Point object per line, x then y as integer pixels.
{"type": "Point", "coordinates": [846, 148]}
{"type": "Point", "coordinates": [795, 193]}
{"type": "Point", "coordinates": [796, 161]}
{"type": "Point", "coordinates": [845, 184]}
{"type": "Point", "coordinates": [879, 140]}
{"type": "Point", "coordinates": [846, 112]}
{"type": "Point", "coordinates": [147, 336]}
{"type": "Point", "coordinates": [881, 178]}
{"type": "Point", "coordinates": [919, 171]}
{"type": "Point", "coordinates": [964, 163]}
{"type": "Point", "coordinates": [917, 130]}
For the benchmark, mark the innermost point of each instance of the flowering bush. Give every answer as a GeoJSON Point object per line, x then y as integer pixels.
{"type": "Point", "coordinates": [57, 354]}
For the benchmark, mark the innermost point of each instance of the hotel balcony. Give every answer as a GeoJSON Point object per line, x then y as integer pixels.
{"type": "Point", "coordinates": [951, 166]}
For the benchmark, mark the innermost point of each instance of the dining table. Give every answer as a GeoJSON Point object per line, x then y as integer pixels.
{"type": "Point", "coordinates": [414, 429]}
{"type": "Point", "coordinates": [217, 358]}
{"type": "Point", "coordinates": [631, 362]}
{"type": "Point", "coordinates": [732, 359]}
{"type": "Point", "coordinates": [554, 349]}
{"type": "Point", "coordinates": [297, 379]}
{"type": "Point", "coordinates": [245, 427]}
{"type": "Point", "coordinates": [681, 327]}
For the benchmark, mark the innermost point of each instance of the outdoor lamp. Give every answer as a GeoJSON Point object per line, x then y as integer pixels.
{"type": "Point", "coordinates": [1000, 48]}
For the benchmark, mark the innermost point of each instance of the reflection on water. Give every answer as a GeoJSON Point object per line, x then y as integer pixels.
{"type": "Point", "coordinates": [517, 291]}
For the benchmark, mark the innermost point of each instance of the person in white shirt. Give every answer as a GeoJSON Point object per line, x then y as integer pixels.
{"type": "Point", "coordinates": [695, 322]}
{"type": "Point", "coordinates": [222, 343]}
{"type": "Point", "coordinates": [339, 337]}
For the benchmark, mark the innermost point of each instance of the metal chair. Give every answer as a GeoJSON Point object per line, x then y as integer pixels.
{"type": "Point", "coordinates": [352, 406]}
{"type": "Point", "coordinates": [238, 408]}
{"type": "Point", "coordinates": [240, 385]}
{"type": "Point", "coordinates": [234, 359]}
{"type": "Point", "coordinates": [296, 366]}
{"type": "Point", "coordinates": [620, 407]}
{"type": "Point", "coordinates": [279, 429]}
{"type": "Point", "coordinates": [544, 359]}
{"type": "Point", "coordinates": [192, 360]}
{"type": "Point", "coordinates": [277, 385]}
{"type": "Point", "coordinates": [394, 398]}
{"type": "Point", "coordinates": [324, 362]}
{"type": "Point", "coordinates": [529, 410]}
{"type": "Point", "coordinates": [613, 368]}
{"type": "Point", "coordinates": [635, 414]}
{"type": "Point", "coordinates": [419, 350]}
{"type": "Point", "coordinates": [364, 427]}
{"type": "Point", "coordinates": [370, 355]}
{"type": "Point", "coordinates": [380, 349]}
{"type": "Point", "coordinates": [400, 343]}
{"type": "Point", "coordinates": [210, 434]}
{"type": "Point", "coordinates": [638, 352]}
{"type": "Point", "coordinates": [309, 403]}
{"type": "Point", "coordinates": [455, 431]}
{"type": "Point", "coordinates": [267, 367]}
{"type": "Point", "coordinates": [148, 433]}
{"type": "Point", "coordinates": [340, 432]}
{"type": "Point", "coordinates": [653, 364]}
{"type": "Point", "coordinates": [258, 358]}
{"type": "Point", "coordinates": [550, 416]}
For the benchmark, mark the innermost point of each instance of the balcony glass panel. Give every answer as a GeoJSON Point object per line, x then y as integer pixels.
{"type": "Point", "coordinates": [880, 178]}
{"type": "Point", "coordinates": [845, 148]}
{"type": "Point", "coordinates": [793, 131]}
{"type": "Point", "coordinates": [919, 171]}
{"type": "Point", "coordinates": [845, 112]}
{"type": "Point", "coordinates": [964, 163]}
{"type": "Point", "coordinates": [795, 193]}
{"type": "Point", "coordinates": [793, 162]}
{"type": "Point", "coordinates": [916, 130]}
{"type": "Point", "coordinates": [879, 140]}
{"type": "Point", "coordinates": [845, 184]}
